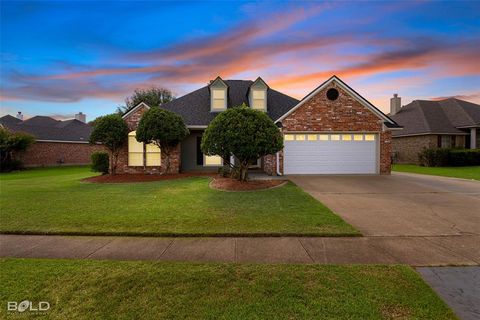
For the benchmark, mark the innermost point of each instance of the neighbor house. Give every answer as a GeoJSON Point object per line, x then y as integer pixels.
{"type": "Point", "coordinates": [449, 123]}
{"type": "Point", "coordinates": [56, 142]}
{"type": "Point", "coordinates": [333, 130]}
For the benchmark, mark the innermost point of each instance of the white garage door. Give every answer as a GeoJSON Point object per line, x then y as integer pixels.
{"type": "Point", "coordinates": [330, 154]}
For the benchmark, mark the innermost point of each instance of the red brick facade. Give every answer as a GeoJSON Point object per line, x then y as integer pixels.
{"type": "Point", "coordinates": [56, 153]}
{"type": "Point", "coordinates": [132, 121]}
{"type": "Point", "coordinates": [345, 114]}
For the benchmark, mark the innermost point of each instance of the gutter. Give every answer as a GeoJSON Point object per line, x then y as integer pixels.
{"type": "Point", "coordinates": [278, 165]}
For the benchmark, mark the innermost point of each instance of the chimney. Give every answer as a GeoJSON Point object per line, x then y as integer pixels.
{"type": "Point", "coordinates": [81, 117]}
{"type": "Point", "coordinates": [20, 115]}
{"type": "Point", "coordinates": [395, 104]}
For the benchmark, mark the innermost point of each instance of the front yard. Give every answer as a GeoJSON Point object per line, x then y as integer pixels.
{"type": "Point", "coordinates": [54, 200]}
{"type": "Point", "coordinates": [83, 289]}
{"type": "Point", "coordinates": [455, 172]}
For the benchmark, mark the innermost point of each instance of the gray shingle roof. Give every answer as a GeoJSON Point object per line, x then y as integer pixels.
{"type": "Point", "coordinates": [444, 116]}
{"type": "Point", "coordinates": [46, 128]}
{"type": "Point", "coordinates": [194, 107]}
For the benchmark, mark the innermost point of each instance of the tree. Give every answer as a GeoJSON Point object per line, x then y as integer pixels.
{"type": "Point", "coordinates": [152, 97]}
{"type": "Point", "coordinates": [112, 132]}
{"type": "Point", "coordinates": [163, 128]}
{"type": "Point", "coordinates": [244, 133]}
{"type": "Point", "coordinates": [10, 144]}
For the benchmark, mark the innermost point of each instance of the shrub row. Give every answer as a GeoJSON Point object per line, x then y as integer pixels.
{"type": "Point", "coordinates": [449, 157]}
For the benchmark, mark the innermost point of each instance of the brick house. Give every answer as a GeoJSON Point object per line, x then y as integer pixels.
{"type": "Point", "coordinates": [448, 123]}
{"type": "Point", "coordinates": [333, 130]}
{"type": "Point", "coordinates": [56, 142]}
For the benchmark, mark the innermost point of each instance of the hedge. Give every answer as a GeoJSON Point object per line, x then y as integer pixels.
{"type": "Point", "coordinates": [449, 157]}
{"type": "Point", "coordinates": [100, 162]}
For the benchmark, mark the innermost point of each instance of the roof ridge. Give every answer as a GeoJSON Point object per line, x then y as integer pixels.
{"type": "Point", "coordinates": [463, 109]}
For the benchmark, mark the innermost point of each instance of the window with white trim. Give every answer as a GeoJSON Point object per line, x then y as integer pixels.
{"type": "Point", "coordinates": [259, 100]}
{"type": "Point", "coordinates": [219, 99]}
{"type": "Point", "coordinates": [135, 151]}
{"type": "Point", "coordinates": [153, 156]}
{"type": "Point", "coordinates": [212, 160]}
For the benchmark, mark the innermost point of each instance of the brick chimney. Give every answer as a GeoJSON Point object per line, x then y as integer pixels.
{"type": "Point", "coordinates": [395, 104]}
{"type": "Point", "coordinates": [19, 115]}
{"type": "Point", "coordinates": [81, 117]}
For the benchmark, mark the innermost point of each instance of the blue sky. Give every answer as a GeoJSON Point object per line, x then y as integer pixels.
{"type": "Point", "coordinates": [58, 58]}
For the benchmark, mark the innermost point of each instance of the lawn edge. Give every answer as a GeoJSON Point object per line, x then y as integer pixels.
{"type": "Point", "coordinates": [432, 175]}
{"type": "Point", "coordinates": [180, 235]}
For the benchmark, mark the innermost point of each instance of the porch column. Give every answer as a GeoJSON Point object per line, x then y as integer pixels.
{"type": "Point", "coordinates": [473, 138]}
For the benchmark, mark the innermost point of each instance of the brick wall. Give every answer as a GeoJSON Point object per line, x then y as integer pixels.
{"type": "Point", "coordinates": [132, 121]}
{"type": "Point", "coordinates": [343, 114]}
{"type": "Point", "coordinates": [56, 153]}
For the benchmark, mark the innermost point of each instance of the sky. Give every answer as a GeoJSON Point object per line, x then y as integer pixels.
{"type": "Point", "coordinates": [59, 58]}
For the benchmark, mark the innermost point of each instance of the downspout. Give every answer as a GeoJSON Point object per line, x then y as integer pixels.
{"type": "Point", "coordinates": [278, 165]}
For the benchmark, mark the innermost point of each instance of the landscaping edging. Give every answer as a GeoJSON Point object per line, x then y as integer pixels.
{"type": "Point", "coordinates": [281, 183]}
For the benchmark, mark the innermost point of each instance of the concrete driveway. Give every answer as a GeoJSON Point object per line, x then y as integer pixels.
{"type": "Point", "coordinates": [400, 204]}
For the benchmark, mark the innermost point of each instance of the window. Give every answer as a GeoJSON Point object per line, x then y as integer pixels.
{"type": "Point", "coordinates": [289, 137]}
{"type": "Point", "coordinates": [312, 137]}
{"type": "Point", "coordinates": [219, 99]}
{"type": "Point", "coordinates": [369, 137]}
{"type": "Point", "coordinates": [323, 137]}
{"type": "Point", "coordinates": [153, 155]}
{"type": "Point", "coordinates": [300, 137]}
{"type": "Point", "coordinates": [212, 161]}
{"type": "Point", "coordinates": [358, 137]}
{"type": "Point", "coordinates": [447, 142]}
{"type": "Point", "coordinates": [335, 137]}
{"type": "Point", "coordinates": [135, 151]}
{"type": "Point", "coordinates": [259, 99]}
{"type": "Point", "coordinates": [346, 137]}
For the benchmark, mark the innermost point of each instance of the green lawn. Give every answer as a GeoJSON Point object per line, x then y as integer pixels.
{"type": "Point", "coordinates": [456, 172]}
{"type": "Point", "coordinates": [55, 201]}
{"type": "Point", "coordinates": [83, 289]}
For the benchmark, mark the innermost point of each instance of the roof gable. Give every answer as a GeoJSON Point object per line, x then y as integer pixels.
{"type": "Point", "coordinates": [347, 89]}
{"type": "Point", "coordinates": [134, 109]}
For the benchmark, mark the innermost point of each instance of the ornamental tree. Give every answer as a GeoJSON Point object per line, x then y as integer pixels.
{"type": "Point", "coordinates": [163, 128]}
{"type": "Point", "coordinates": [246, 134]}
{"type": "Point", "coordinates": [10, 144]}
{"type": "Point", "coordinates": [112, 131]}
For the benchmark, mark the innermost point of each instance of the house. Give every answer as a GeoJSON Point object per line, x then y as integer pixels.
{"type": "Point", "coordinates": [56, 142]}
{"type": "Point", "coordinates": [333, 130]}
{"type": "Point", "coordinates": [448, 123]}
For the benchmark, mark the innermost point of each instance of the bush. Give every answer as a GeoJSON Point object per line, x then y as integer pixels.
{"type": "Point", "coordinates": [100, 162]}
{"type": "Point", "coordinates": [449, 157]}
{"type": "Point", "coordinates": [12, 143]}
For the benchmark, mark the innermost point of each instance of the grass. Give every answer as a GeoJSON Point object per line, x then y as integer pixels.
{"type": "Point", "coordinates": [456, 172]}
{"type": "Point", "coordinates": [86, 289]}
{"type": "Point", "coordinates": [54, 201]}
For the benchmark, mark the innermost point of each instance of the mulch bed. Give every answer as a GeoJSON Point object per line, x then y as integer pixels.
{"type": "Point", "coordinates": [126, 178]}
{"type": "Point", "coordinates": [228, 184]}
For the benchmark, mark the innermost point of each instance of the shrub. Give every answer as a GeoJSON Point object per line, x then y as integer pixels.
{"type": "Point", "coordinates": [449, 157]}
{"type": "Point", "coordinates": [112, 132]}
{"type": "Point", "coordinates": [244, 133]}
{"type": "Point", "coordinates": [10, 144]}
{"type": "Point", "coordinates": [100, 162]}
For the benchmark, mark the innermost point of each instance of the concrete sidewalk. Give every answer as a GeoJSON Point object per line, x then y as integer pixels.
{"type": "Point", "coordinates": [415, 251]}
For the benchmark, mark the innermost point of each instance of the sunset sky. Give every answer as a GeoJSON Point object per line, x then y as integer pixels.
{"type": "Point", "coordinates": [58, 58]}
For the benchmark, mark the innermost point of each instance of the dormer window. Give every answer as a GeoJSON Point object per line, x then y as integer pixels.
{"type": "Point", "coordinates": [259, 99]}
{"type": "Point", "coordinates": [219, 99]}
{"type": "Point", "coordinates": [218, 95]}
{"type": "Point", "coordinates": [258, 95]}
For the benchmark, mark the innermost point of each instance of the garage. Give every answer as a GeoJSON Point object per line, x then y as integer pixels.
{"type": "Point", "coordinates": [331, 153]}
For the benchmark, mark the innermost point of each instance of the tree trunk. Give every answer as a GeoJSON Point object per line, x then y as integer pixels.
{"type": "Point", "coordinates": [243, 175]}
{"type": "Point", "coordinates": [167, 159]}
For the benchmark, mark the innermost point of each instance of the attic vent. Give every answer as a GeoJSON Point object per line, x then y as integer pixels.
{"type": "Point", "coordinates": [332, 94]}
